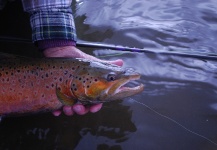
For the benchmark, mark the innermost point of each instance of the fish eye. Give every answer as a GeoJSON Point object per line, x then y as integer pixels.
{"type": "Point", "coordinates": [111, 77]}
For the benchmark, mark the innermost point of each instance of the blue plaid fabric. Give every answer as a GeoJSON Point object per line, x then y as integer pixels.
{"type": "Point", "coordinates": [51, 19]}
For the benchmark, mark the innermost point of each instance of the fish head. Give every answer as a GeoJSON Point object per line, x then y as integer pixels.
{"type": "Point", "coordinates": [100, 82]}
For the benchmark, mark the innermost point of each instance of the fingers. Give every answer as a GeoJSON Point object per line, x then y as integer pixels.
{"type": "Point", "coordinates": [95, 108]}
{"type": "Point", "coordinates": [68, 110]}
{"type": "Point", "coordinates": [73, 52]}
{"type": "Point", "coordinates": [78, 109]}
{"type": "Point", "coordinates": [56, 113]}
{"type": "Point", "coordinates": [118, 62]}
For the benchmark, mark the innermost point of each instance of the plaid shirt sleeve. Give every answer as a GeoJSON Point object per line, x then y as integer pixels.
{"type": "Point", "coordinates": [51, 19]}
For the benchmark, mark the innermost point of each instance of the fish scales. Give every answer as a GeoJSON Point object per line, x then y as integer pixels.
{"type": "Point", "coordinates": [31, 85]}
{"type": "Point", "coordinates": [26, 84]}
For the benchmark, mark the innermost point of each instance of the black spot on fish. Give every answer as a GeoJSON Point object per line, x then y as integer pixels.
{"type": "Point", "coordinates": [79, 79]}
{"type": "Point", "coordinates": [60, 79]}
{"type": "Point", "coordinates": [52, 85]}
{"type": "Point", "coordinates": [75, 89]}
{"type": "Point", "coordinates": [46, 75]}
{"type": "Point", "coordinates": [18, 70]}
{"type": "Point", "coordinates": [95, 80]}
{"type": "Point", "coordinates": [6, 72]}
{"type": "Point", "coordinates": [66, 72]}
{"type": "Point", "coordinates": [73, 68]}
{"type": "Point", "coordinates": [87, 79]}
{"type": "Point", "coordinates": [73, 84]}
{"type": "Point", "coordinates": [88, 86]}
{"type": "Point", "coordinates": [0, 74]}
{"type": "Point", "coordinates": [47, 86]}
{"type": "Point", "coordinates": [12, 73]}
{"type": "Point", "coordinates": [54, 67]}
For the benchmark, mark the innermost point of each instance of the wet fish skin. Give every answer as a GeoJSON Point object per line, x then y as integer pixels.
{"type": "Point", "coordinates": [30, 85]}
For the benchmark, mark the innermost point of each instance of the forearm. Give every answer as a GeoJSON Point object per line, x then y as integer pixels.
{"type": "Point", "coordinates": [52, 23]}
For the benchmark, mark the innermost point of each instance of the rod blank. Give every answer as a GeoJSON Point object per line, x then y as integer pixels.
{"type": "Point", "coordinates": [210, 56]}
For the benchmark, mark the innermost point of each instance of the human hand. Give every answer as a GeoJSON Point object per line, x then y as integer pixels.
{"type": "Point", "coordinates": [73, 52]}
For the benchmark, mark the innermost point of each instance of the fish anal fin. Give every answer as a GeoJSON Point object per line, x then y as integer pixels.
{"type": "Point", "coordinates": [65, 99]}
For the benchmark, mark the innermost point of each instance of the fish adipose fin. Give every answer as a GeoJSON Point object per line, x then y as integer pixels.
{"type": "Point", "coordinates": [65, 99]}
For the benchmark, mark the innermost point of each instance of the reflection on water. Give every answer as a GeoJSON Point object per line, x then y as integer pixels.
{"type": "Point", "coordinates": [170, 24]}
{"type": "Point", "coordinates": [183, 89]}
{"type": "Point", "coordinates": [111, 126]}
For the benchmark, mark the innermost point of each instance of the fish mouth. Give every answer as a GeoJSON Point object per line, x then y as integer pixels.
{"type": "Point", "coordinates": [119, 90]}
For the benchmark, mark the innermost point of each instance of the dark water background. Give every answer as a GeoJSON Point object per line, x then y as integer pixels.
{"type": "Point", "coordinates": [183, 89]}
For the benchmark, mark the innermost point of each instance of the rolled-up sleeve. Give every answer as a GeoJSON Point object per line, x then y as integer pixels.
{"type": "Point", "coordinates": [51, 19]}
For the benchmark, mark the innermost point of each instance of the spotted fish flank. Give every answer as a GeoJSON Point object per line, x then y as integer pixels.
{"type": "Point", "coordinates": [35, 84]}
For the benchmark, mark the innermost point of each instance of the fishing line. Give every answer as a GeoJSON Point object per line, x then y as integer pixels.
{"type": "Point", "coordinates": [174, 121]}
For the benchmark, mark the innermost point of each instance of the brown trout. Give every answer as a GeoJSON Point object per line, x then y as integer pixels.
{"type": "Point", "coordinates": [31, 85]}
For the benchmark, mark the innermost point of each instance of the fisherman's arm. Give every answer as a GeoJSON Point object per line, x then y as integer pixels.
{"type": "Point", "coordinates": [53, 31]}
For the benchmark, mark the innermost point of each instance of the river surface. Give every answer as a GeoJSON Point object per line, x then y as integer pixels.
{"type": "Point", "coordinates": [178, 108]}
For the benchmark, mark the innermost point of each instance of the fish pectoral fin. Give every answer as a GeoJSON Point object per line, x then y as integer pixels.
{"type": "Point", "coordinates": [65, 99]}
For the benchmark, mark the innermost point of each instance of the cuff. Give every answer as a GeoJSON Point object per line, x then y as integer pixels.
{"type": "Point", "coordinates": [49, 25]}
{"type": "Point", "coordinates": [45, 44]}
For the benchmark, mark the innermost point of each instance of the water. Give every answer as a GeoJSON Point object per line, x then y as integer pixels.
{"type": "Point", "coordinates": [178, 108]}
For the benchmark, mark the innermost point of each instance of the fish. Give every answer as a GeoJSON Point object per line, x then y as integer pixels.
{"type": "Point", "coordinates": [33, 85]}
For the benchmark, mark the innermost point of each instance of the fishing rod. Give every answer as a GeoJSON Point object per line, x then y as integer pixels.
{"type": "Point", "coordinates": [210, 56]}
